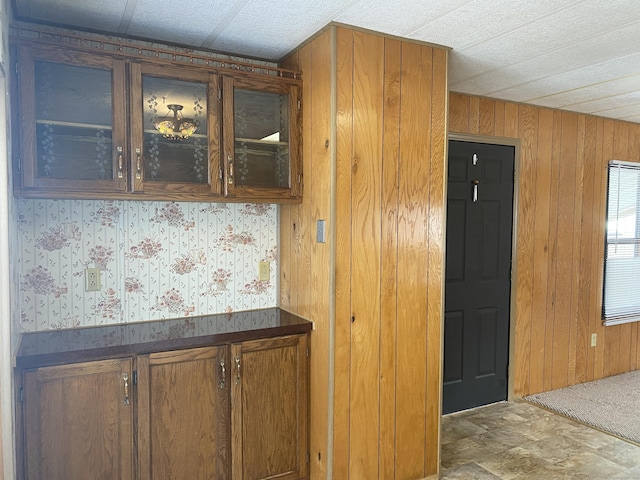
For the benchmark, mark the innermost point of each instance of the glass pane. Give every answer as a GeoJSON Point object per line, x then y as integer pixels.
{"type": "Point", "coordinates": [175, 131]}
{"type": "Point", "coordinates": [73, 121]}
{"type": "Point", "coordinates": [261, 122]}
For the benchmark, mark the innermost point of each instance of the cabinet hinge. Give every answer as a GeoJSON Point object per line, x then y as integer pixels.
{"type": "Point", "coordinates": [219, 94]}
{"type": "Point", "coordinates": [307, 352]}
{"type": "Point", "coordinates": [299, 105]}
{"type": "Point", "coordinates": [308, 457]}
{"type": "Point", "coordinates": [21, 394]}
{"type": "Point", "coordinates": [299, 179]}
{"type": "Point", "coordinates": [135, 377]}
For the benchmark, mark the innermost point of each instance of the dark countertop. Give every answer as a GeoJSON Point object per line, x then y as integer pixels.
{"type": "Point", "coordinates": [93, 343]}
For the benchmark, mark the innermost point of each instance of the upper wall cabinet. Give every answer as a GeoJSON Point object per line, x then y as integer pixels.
{"type": "Point", "coordinates": [261, 140]}
{"type": "Point", "coordinates": [174, 131]}
{"type": "Point", "coordinates": [73, 122]}
{"type": "Point", "coordinates": [100, 125]}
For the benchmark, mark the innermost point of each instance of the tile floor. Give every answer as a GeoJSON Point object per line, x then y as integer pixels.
{"type": "Point", "coordinates": [520, 441]}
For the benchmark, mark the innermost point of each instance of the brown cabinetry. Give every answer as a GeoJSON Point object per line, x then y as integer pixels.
{"type": "Point", "coordinates": [183, 412]}
{"type": "Point", "coordinates": [270, 409]}
{"type": "Point", "coordinates": [261, 138]}
{"type": "Point", "coordinates": [78, 421]}
{"type": "Point", "coordinates": [227, 411]}
{"type": "Point", "coordinates": [107, 125]}
{"type": "Point", "coordinates": [175, 131]}
{"type": "Point", "coordinates": [73, 122]}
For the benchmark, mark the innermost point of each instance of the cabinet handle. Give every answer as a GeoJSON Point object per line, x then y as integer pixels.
{"type": "Point", "coordinates": [120, 163]}
{"type": "Point", "coordinates": [475, 190]}
{"type": "Point", "coordinates": [237, 359]}
{"type": "Point", "coordinates": [223, 374]}
{"type": "Point", "coordinates": [125, 379]}
{"type": "Point", "coordinates": [230, 161]}
{"type": "Point", "coordinates": [138, 164]}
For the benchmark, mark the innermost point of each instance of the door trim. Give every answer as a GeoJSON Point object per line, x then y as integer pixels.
{"type": "Point", "coordinates": [511, 142]}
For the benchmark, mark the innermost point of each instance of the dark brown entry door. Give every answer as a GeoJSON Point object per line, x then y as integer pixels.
{"type": "Point", "coordinates": [478, 274]}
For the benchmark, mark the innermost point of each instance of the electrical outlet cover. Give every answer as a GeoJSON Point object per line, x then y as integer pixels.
{"type": "Point", "coordinates": [92, 279]}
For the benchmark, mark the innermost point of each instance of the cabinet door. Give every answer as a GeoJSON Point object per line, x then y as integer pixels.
{"type": "Point", "coordinates": [72, 121]}
{"type": "Point", "coordinates": [78, 421]}
{"type": "Point", "coordinates": [183, 414]}
{"type": "Point", "coordinates": [269, 419]}
{"type": "Point", "coordinates": [261, 138]}
{"type": "Point", "coordinates": [175, 131]}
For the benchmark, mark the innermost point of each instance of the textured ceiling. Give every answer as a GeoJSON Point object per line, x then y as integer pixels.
{"type": "Point", "coordinates": [579, 55]}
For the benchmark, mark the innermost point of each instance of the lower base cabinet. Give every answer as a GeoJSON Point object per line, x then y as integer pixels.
{"type": "Point", "coordinates": [235, 411]}
{"type": "Point", "coordinates": [78, 421]}
{"type": "Point", "coordinates": [183, 412]}
{"type": "Point", "coordinates": [269, 416]}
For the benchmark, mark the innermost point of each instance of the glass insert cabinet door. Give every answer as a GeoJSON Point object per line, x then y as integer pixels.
{"type": "Point", "coordinates": [174, 130]}
{"type": "Point", "coordinates": [260, 151]}
{"type": "Point", "coordinates": [72, 120]}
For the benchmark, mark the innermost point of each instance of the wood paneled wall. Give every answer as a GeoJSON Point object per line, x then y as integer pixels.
{"type": "Point", "coordinates": [374, 133]}
{"type": "Point", "coordinates": [306, 266]}
{"type": "Point", "coordinates": [560, 238]}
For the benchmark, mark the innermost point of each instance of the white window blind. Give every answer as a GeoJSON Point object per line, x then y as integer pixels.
{"type": "Point", "coordinates": [621, 302]}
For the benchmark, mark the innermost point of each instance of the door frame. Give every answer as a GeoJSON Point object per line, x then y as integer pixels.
{"type": "Point", "coordinates": [510, 142]}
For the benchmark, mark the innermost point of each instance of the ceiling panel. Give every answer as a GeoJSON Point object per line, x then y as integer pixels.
{"type": "Point", "coordinates": [572, 54]}
{"type": "Point", "coordinates": [92, 14]}
{"type": "Point", "coordinates": [160, 20]}
{"type": "Point", "coordinates": [523, 80]}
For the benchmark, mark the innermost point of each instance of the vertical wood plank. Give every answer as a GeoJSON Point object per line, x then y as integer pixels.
{"type": "Point", "coordinates": [436, 254]}
{"type": "Point", "coordinates": [487, 113]}
{"type": "Point", "coordinates": [605, 130]}
{"type": "Point", "coordinates": [511, 120]}
{"type": "Point", "coordinates": [553, 252]}
{"type": "Point", "coordinates": [459, 113]}
{"type": "Point", "coordinates": [412, 260]}
{"type": "Point", "coordinates": [522, 255]}
{"type": "Point", "coordinates": [543, 167]}
{"type": "Point", "coordinates": [577, 337]}
{"type": "Point", "coordinates": [499, 118]}
{"type": "Point", "coordinates": [611, 335]}
{"type": "Point", "coordinates": [366, 168]}
{"type": "Point", "coordinates": [342, 354]}
{"type": "Point", "coordinates": [316, 165]}
{"type": "Point", "coordinates": [584, 348]}
{"type": "Point", "coordinates": [564, 257]}
{"type": "Point", "coordinates": [474, 115]}
{"type": "Point", "coordinates": [389, 267]}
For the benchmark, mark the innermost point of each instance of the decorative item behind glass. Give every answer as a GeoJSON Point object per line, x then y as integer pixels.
{"type": "Point", "coordinates": [175, 130]}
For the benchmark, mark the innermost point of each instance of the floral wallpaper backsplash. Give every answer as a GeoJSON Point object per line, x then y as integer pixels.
{"type": "Point", "coordinates": [157, 260]}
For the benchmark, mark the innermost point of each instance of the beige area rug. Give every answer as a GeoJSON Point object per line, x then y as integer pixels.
{"type": "Point", "coordinates": [611, 404]}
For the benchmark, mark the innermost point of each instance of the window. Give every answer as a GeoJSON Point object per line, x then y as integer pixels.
{"type": "Point", "coordinates": [621, 302]}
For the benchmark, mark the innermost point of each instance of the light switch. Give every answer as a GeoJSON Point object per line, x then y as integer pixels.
{"type": "Point", "coordinates": [264, 271]}
{"type": "Point", "coordinates": [320, 232]}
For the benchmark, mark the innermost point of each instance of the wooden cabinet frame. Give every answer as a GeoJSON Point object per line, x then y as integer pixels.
{"type": "Point", "coordinates": [231, 186]}
{"type": "Point", "coordinates": [127, 68]}
{"type": "Point", "coordinates": [25, 110]}
{"type": "Point", "coordinates": [252, 394]}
